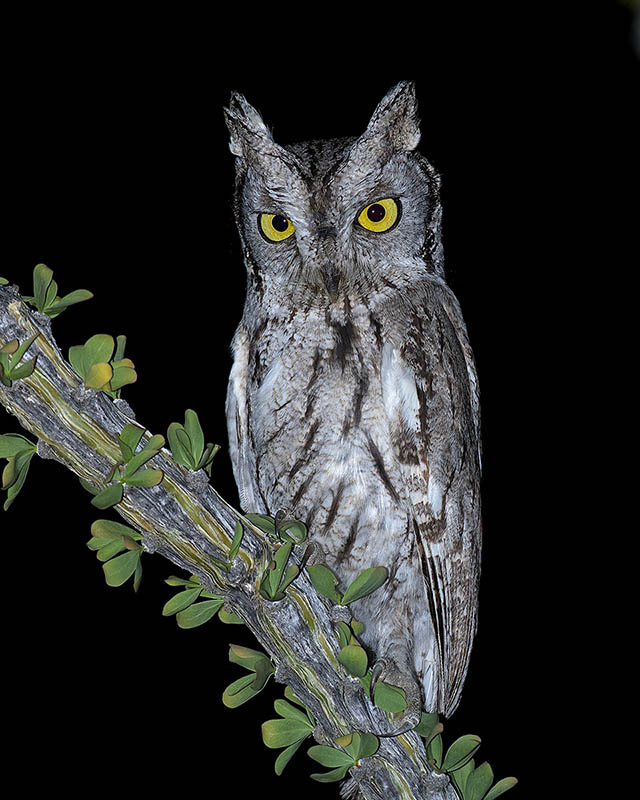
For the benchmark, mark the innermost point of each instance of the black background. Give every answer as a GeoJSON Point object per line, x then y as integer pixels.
{"type": "Point", "coordinates": [120, 180]}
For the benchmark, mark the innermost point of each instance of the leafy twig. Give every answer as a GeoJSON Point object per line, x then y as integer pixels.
{"type": "Point", "coordinates": [45, 293]}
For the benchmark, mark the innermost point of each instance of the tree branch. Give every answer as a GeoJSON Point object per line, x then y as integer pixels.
{"type": "Point", "coordinates": [188, 523]}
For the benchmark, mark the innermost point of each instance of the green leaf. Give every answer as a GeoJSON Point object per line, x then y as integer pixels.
{"type": "Point", "coordinates": [237, 539]}
{"type": "Point", "coordinates": [98, 375]}
{"type": "Point", "coordinates": [238, 692]}
{"type": "Point", "coordinates": [185, 442]}
{"type": "Point", "coordinates": [286, 755]}
{"type": "Point", "coordinates": [121, 342]}
{"type": "Point", "coordinates": [207, 457]}
{"type": "Point", "coordinates": [263, 671]}
{"type": "Point", "coordinates": [363, 745]}
{"type": "Point", "coordinates": [290, 575]}
{"type": "Point", "coordinates": [109, 496]}
{"type": "Point", "coordinates": [110, 548]}
{"type": "Point", "coordinates": [288, 711]}
{"type": "Point", "coordinates": [324, 582]}
{"type": "Point", "coordinates": [389, 698]}
{"type": "Point", "coordinates": [172, 580]}
{"type": "Point", "coordinates": [434, 750]}
{"type": "Point", "coordinates": [109, 529]}
{"type": "Point", "coordinates": [155, 443]}
{"type": "Point", "coordinates": [229, 618]}
{"type": "Point", "coordinates": [51, 296]}
{"type": "Point", "coordinates": [500, 788]}
{"type": "Point", "coordinates": [180, 601]}
{"type": "Point", "coordinates": [95, 544]}
{"type": "Point", "coordinates": [354, 658]}
{"type": "Point", "coordinates": [3, 281]}
{"type": "Point", "coordinates": [263, 522]}
{"type": "Point", "coordinates": [194, 432]}
{"type": "Point", "coordinates": [367, 582]}
{"type": "Point", "coordinates": [137, 576]}
{"type": "Point", "coordinates": [129, 439]}
{"type": "Point", "coordinates": [460, 775]}
{"type": "Point", "coordinates": [139, 460]}
{"type": "Point", "coordinates": [131, 435]}
{"type": "Point", "coordinates": [24, 370]}
{"type": "Point", "coordinates": [198, 613]}
{"type": "Point", "coordinates": [145, 477]}
{"type": "Point", "coordinates": [76, 357]}
{"type": "Point", "coordinates": [88, 486]}
{"type": "Point", "coordinates": [460, 752]}
{"type": "Point", "coordinates": [18, 482]}
{"type": "Point", "coordinates": [246, 656]}
{"type": "Point", "coordinates": [77, 296]}
{"type": "Point", "coordinates": [239, 685]}
{"type": "Point", "coordinates": [283, 732]}
{"type": "Point", "coordinates": [259, 665]}
{"type": "Point", "coordinates": [19, 352]}
{"type": "Point", "coordinates": [9, 348]}
{"type": "Point", "coordinates": [10, 472]}
{"type": "Point", "coordinates": [329, 756]}
{"type": "Point", "coordinates": [123, 375]}
{"type": "Point", "coordinates": [273, 577]}
{"type": "Point", "coordinates": [329, 777]}
{"type": "Point", "coordinates": [13, 443]}
{"type": "Point", "coordinates": [98, 349]}
{"type": "Point", "coordinates": [426, 725]}
{"type": "Point", "coordinates": [179, 451]}
{"type": "Point", "coordinates": [120, 569]}
{"type": "Point", "coordinates": [42, 277]}
{"type": "Point", "coordinates": [289, 694]}
{"type": "Point", "coordinates": [292, 530]}
{"type": "Point", "coordinates": [344, 634]}
{"type": "Point", "coordinates": [478, 782]}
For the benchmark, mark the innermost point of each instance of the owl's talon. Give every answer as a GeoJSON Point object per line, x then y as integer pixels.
{"type": "Point", "coordinates": [410, 717]}
{"type": "Point", "coordinates": [376, 671]}
{"type": "Point", "coordinates": [281, 515]}
{"type": "Point", "coordinates": [310, 554]}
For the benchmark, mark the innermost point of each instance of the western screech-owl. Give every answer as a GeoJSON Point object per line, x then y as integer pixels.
{"type": "Point", "coordinates": [353, 398]}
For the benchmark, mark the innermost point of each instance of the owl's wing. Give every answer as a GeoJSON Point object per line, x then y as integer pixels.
{"type": "Point", "coordinates": [435, 421]}
{"type": "Point", "coordinates": [242, 460]}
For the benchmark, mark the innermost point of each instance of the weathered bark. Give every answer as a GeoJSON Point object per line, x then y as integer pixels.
{"type": "Point", "coordinates": [186, 521]}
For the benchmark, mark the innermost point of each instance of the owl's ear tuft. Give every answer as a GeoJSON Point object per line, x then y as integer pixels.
{"type": "Point", "coordinates": [244, 123]}
{"type": "Point", "coordinates": [396, 118]}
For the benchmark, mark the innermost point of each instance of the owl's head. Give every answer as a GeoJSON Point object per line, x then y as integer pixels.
{"type": "Point", "coordinates": [323, 218]}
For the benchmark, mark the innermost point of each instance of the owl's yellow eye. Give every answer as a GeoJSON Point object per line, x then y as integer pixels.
{"type": "Point", "coordinates": [275, 227]}
{"type": "Point", "coordinates": [380, 216]}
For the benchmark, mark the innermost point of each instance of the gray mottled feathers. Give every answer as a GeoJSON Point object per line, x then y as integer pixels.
{"type": "Point", "coordinates": [353, 397]}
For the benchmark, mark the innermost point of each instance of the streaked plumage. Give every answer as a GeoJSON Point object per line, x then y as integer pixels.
{"type": "Point", "coordinates": [353, 399]}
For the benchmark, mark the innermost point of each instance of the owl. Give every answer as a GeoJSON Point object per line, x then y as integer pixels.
{"type": "Point", "coordinates": [353, 397]}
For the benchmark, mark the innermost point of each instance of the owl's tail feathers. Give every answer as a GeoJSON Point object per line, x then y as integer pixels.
{"type": "Point", "coordinates": [458, 666]}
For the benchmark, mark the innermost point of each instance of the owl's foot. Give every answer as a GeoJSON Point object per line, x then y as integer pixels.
{"type": "Point", "coordinates": [281, 515]}
{"type": "Point", "coordinates": [408, 719]}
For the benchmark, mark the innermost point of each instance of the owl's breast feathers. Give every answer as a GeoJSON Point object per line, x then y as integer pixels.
{"type": "Point", "coordinates": [366, 424]}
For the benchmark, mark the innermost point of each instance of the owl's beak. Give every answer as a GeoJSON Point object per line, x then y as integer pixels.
{"type": "Point", "coordinates": [331, 279]}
